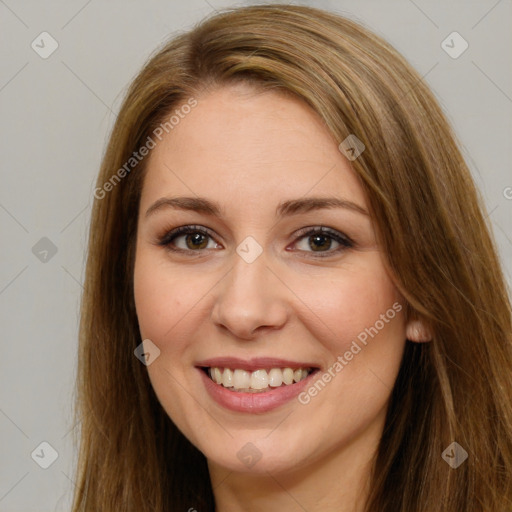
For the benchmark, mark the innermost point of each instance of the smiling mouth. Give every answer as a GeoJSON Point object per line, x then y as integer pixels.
{"type": "Point", "coordinates": [257, 381]}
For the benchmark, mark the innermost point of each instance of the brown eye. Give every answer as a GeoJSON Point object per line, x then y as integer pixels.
{"type": "Point", "coordinates": [187, 238]}
{"type": "Point", "coordinates": [320, 240]}
{"type": "Point", "coordinates": [196, 241]}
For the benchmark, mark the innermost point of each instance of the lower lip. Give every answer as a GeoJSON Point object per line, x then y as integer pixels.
{"type": "Point", "coordinates": [253, 402]}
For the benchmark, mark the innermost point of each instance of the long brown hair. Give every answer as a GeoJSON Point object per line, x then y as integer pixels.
{"type": "Point", "coordinates": [432, 230]}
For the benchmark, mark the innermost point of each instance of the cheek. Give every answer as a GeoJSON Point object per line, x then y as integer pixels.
{"type": "Point", "coordinates": [370, 331]}
{"type": "Point", "coordinates": [161, 298]}
{"type": "Point", "coordinates": [351, 303]}
{"type": "Point", "coordinates": [170, 304]}
{"type": "Point", "coordinates": [166, 306]}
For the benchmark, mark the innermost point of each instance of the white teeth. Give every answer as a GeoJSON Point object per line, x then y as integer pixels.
{"type": "Point", "coordinates": [217, 375]}
{"type": "Point", "coordinates": [297, 375]}
{"type": "Point", "coordinates": [227, 378]}
{"type": "Point", "coordinates": [258, 380]}
{"type": "Point", "coordinates": [275, 377]}
{"type": "Point", "coordinates": [288, 376]}
{"type": "Point", "coordinates": [241, 379]}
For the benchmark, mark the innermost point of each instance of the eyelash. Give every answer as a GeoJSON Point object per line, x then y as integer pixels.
{"type": "Point", "coordinates": [344, 241]}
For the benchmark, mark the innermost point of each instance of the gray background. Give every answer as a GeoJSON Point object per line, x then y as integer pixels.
{"type": "Point", "coordinates": [56, 114]}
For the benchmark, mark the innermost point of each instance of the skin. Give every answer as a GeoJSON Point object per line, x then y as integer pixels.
{"type": "Point", "coordinates": [248, 151]}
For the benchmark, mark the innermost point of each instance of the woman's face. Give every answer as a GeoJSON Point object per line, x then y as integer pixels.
{"type": "Point", "coordinates": [254, 287]}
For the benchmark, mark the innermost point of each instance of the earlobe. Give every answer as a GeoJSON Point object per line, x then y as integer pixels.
{"type": "Point", "coordinates": [418, 331]}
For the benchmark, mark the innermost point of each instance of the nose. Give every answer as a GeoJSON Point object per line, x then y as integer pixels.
{"type": "Point", "coordinates": [250, 300]}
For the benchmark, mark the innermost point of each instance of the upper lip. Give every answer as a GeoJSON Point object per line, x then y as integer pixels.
{"type": "Point", "coordinates": [255, 363]}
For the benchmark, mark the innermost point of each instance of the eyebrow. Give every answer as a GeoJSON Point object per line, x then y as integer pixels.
{"type": "Point", "coordinates": [285, 208]}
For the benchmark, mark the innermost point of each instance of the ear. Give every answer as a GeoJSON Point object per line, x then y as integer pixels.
{"type": "Point", "coordinates": [418, 331]}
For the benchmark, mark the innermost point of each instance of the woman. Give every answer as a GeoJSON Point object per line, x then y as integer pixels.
{"type": "Point", "coordinates": [292, 299]}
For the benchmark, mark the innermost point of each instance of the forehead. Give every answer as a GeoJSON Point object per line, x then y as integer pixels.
{"type": "Point", "coordinates": [240, 145]}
